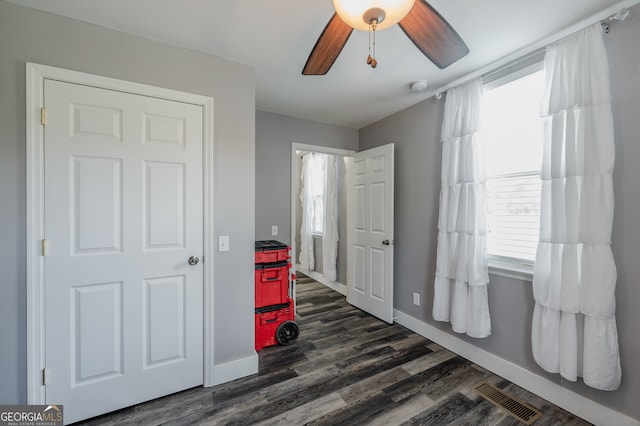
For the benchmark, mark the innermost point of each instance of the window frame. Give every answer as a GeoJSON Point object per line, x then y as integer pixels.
{"type": "Point", "coordinates": [512, 267]}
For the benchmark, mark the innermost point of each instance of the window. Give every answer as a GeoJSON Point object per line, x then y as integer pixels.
{"type": "Point", "coordinates": [512, 132]}
{"type": "Point", "coordinates": [319, 179]}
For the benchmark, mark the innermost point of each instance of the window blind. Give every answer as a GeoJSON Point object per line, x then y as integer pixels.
{"type": "Point", "coordinates": [513, 207]}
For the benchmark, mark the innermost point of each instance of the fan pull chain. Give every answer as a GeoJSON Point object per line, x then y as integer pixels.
{"type": "Point", "coordinates": [371, 60]}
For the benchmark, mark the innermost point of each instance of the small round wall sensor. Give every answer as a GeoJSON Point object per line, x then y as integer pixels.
{"type": "Point", "coordinates": [418, 86]}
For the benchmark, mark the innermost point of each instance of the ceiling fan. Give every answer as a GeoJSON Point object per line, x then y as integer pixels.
{"type": "Point", "coordinates": [424, 26]}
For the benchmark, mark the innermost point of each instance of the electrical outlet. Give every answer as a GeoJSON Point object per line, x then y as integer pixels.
{"type": "Point", "coordinates": [274, 230]}
{"type": "Point", "coordinates": [416, 299]}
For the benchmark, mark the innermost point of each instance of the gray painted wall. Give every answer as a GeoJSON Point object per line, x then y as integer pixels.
{"type": "Point", "coordinates": [34, 36]}
{"type": "Point", "coordinates": [274, 135]}
{"type": "Point", "coordinates": [28, 35]}
{"type": "Point", "coordinates": [416, 132]}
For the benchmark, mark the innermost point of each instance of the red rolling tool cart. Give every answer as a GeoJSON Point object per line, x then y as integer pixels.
{"type": "Point", "coordinates": [274, 306]}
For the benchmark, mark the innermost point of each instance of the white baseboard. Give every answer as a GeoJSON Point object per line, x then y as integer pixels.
{"type": "Point", "coordinates": [235, 369]}
{"type": "Point", "coordinates": [577, 404]}
{"type": "Point", "coordinates": [335, 285]}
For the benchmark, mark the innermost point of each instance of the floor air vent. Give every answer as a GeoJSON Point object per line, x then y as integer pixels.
{"type": "Point", "coordinates": [523, 412]}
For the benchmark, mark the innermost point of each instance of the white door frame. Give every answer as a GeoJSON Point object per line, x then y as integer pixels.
{"type": "Point", "coordinates": [36, 75]}
{"type": "Point", "coordinates": [295, 190]}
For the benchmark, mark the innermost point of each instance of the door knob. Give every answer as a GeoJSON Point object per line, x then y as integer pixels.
{"type": "Point", "coordinates": [386, 242]}
{"type": "Point", "coordinates": [193, 260]}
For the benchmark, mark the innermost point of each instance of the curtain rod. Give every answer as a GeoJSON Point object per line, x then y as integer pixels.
{"type": "Point", "coordinates": [605, 17]}
{"type": "Point", "coordinates": [516, 61]}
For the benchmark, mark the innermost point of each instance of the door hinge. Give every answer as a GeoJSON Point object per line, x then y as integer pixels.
{"type": "Point", "coordinates": [44, 247]}
{"type": "Point", "coordinates": [43, 116]}
{"type": "Point", "coordinates": [45, 376]}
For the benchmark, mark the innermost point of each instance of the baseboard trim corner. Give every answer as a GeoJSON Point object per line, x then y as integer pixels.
{"type": "Point", "coordinates": [235, 369]}
{"type": "Point", "coordinates": [577, 404]}
{"type": "Point", "coordinates": [334, 285]}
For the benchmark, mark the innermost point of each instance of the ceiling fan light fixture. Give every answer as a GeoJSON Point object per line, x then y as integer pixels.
{"type": "Point", "coordinates": [355, 12]}
{"type": "Point", "coordinates": [424, 26]}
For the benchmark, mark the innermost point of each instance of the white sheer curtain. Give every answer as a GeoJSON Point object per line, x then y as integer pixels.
{"type": "Point", "coordinates": [460, 293]}
{"type": "Point", "coordinates": [330, 239]}
{"type": "Point", "coordinates": [574, 329]}
{"type": "Point", "coordinates": [307, 259]}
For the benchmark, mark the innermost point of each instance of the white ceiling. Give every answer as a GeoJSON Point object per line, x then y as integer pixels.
{"type": "Point", "coordinates": [276, 36]}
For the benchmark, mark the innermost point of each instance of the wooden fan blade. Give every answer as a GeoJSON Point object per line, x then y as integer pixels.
{"type": "Point", "coordinates": [433, 35]}
{"type": "Point", "coordinates": [328, 47]}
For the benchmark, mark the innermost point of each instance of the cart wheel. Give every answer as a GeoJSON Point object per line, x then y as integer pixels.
{"type": "Point", "coordinates": [287, 333]}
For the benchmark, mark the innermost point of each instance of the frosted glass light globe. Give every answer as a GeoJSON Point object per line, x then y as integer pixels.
{"type": "Point", "coordinates": [352, 11]}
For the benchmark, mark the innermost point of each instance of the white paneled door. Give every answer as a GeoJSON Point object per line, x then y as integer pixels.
{"type": "Point", "coordinates": [370, 222]}
{"type": "Point", "coordinates": [123, 229]}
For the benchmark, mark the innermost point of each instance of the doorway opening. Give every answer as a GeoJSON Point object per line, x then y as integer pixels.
{"type": "Point", "coordinates": [342, 163]}
{"type": "Point", "coordinates": [369, 226]}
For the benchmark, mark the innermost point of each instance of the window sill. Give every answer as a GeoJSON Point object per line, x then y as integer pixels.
{"type": "Point", "coordinates": [511, 269]}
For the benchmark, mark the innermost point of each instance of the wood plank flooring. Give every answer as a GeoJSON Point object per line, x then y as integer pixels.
{"type": "Point", "coordinates": [346, 368]}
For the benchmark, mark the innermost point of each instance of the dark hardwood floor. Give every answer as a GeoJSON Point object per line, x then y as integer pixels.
{"type": "Point", "coordinates": [346, 368]}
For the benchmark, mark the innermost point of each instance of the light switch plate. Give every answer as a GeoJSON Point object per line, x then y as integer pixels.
{"type": "Point", "coordinates": [223, 243]}
{"type": "Point", "coordinates": [416, 299]}
{"type": "Point", "coordinates": [274, 230]}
